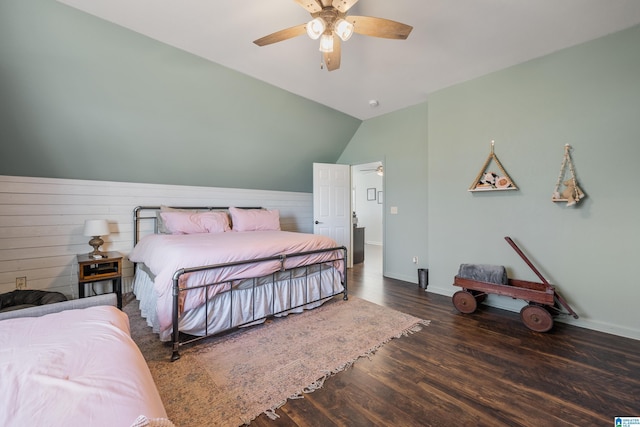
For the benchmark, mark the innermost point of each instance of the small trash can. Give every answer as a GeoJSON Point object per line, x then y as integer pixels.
{"type": "Point", "coordinates": [423, 277]}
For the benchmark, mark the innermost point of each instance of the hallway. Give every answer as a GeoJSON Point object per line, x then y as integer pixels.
{"type": "Point", "coordinates": [373, 258]}
{"type": "Point", "coordinates": [369, 274]}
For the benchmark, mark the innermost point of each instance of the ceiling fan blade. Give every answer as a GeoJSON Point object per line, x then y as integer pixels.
{"type": "Point", "coordinates": [344, 5]}
{"type": "Point", "coordinates": [379, 27]}
{"type": "Point", "coordinates": [332, 59]}
{"type": "Point", "coordinates": [312, 6]}
{"type": "Point", "coordinates": [281, 35]}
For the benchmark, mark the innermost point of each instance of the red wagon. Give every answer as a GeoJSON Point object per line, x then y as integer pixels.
{"type": "Point", "coordinates": [544, 300]}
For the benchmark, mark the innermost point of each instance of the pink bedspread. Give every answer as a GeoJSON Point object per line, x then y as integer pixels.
{"type": "Point", "coordinates": [164, 254]}
{"type": "Point", "coordinates": [74, 368]}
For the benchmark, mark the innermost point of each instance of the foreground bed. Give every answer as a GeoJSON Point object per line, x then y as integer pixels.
{"type": "Point", "coordinates": [198, 275]}
{"type": "Point", "coordinates": [75, 367]}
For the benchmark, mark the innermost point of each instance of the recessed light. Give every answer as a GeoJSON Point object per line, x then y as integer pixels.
{"type": "Point", "coordinates": [373, 103]}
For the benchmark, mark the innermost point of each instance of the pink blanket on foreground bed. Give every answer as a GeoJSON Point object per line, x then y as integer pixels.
{"type": "Point", "coordinates": [74, 368]}
{"type": "Point", "coordinates": [164, 254]}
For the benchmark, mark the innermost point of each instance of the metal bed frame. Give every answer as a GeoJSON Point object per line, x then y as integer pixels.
{"type": "Point", "coordinates": [178, 341]}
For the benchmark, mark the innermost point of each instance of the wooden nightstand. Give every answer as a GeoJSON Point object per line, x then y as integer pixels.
{"type": "Point", "coordinates": [95, 270]}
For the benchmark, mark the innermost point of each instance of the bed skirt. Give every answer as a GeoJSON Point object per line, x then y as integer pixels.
{"type": "Point", "coordinates": [249, 300]}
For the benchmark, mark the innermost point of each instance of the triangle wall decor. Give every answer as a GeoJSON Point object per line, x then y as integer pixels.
{"type": "Point", "coordinates": [488, 180]}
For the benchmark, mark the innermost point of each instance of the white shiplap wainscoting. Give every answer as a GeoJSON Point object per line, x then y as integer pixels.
{"type": "Point", "coordinates": [42, 219]}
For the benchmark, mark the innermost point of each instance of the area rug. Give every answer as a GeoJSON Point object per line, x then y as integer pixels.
{"type": "Point", "coordinates": [229, 381]}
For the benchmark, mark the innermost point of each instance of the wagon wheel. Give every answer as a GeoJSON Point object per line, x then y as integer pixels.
{"type": "Point", "coordinates": [536, 318]}
{"type": "Point", "coordinates": [465, 302]}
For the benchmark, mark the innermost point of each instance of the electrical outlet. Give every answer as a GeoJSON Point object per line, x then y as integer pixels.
{"type": "Point", "coordinates": [415, 260]}
{"type": "Point", "coordinates": [21, 282]}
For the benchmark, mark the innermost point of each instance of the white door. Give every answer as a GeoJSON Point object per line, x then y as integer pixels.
{"type": "Point", "coordinates": [332, 203]}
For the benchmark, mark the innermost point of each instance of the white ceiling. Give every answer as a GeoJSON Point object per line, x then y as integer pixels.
{"type": "Point", "coordinates": [452, 41]}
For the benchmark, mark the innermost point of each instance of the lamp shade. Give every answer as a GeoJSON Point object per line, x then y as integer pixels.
{"type": "Point", "coordinates": [315, 28]}
{"type": "Point", "coordinates": [344, 29]}
{"type": "Point", "coordinates": [326, 43]}
{"type": "Point", "coordinates": [96, 227]}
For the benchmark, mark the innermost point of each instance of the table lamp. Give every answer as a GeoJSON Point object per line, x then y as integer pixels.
{"type": "Point", "coordinates": [95, 228]}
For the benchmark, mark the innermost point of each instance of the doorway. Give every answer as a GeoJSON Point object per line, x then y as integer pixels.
{"type": "Point", "coordinates": [367, 201]}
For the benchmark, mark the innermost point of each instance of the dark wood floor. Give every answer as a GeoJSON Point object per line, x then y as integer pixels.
{"type": "Point", "coordinates": [480, 369]}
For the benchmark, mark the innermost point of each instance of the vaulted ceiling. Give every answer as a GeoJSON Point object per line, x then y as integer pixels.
{"type": "Point", "coordinates": [452, 41]}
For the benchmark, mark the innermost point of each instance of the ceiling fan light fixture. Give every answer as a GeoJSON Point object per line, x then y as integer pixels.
{"type": "Point", "coordinates": [330, 23]}
{"type": "Point", "coordinates": [326, 43]}
{"type": "Point", "coordinates": [344, 29]}
{"type": "Point", "coordinates": [315, 28]}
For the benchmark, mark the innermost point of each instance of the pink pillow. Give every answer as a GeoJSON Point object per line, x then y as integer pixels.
{"type": "Point", "coordinates": [195, 222]}
{"type": "Point", "coordinates": [254, 219]}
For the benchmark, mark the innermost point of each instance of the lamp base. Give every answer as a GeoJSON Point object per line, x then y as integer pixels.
{"type": "Point", "coordinates": [96, 242]}
{"type": "Point", "coordinates": [97, 255]}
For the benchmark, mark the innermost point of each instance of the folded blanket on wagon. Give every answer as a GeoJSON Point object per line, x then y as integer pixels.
{"type": "Point", "coordinates": [484, 273]}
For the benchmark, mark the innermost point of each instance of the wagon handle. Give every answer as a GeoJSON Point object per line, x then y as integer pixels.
{"type": "Point", "coordinates": [522, 255]}
{"type": "Point", "coordinates": [535, 270]}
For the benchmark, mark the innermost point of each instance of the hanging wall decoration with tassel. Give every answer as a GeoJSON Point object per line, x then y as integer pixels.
{"type": "Point", "coordinates": [570, 192]}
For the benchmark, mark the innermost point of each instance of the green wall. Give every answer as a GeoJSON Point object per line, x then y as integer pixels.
{"type": "Point", "coordinates": [82, 98]}
{"type": "Point", "coordinates": [587, 96]}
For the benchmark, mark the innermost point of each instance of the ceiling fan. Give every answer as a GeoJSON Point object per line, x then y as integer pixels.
{"type": "Point", "coordinates": [379, 170]}
{"type": "Point", "coordinates": [330, 20]}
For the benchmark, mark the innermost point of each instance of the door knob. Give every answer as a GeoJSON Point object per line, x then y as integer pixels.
{"type": "Point", "coordinates": [318, 222]}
